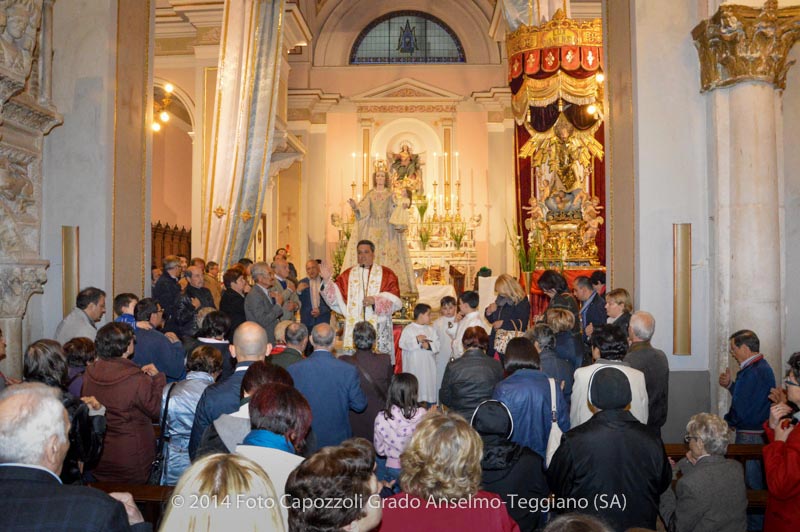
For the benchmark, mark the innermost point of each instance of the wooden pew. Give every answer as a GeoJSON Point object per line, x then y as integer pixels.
{"type": "Point", "coordinates": [756, 499]}
{"type": "Point", "coordinates": [151, 500]}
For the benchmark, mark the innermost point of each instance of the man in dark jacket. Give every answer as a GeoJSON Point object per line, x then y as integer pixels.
{"type": "Point", "coordinates": [653, 363]}
{"type": "Point", "coordinates": [250, 344]}
{"type": "Point", "coordinates": [165, 351]}
{"type": "Point", "coordinates": [471, 378]}
{"type": "Point", "coordinates": [168, 289]}
{"type": "Point", "coordinates": [612, 463]}
{"type": "Point", "coordinates": [515, 473]}
{"type": "Point", "coordinates": [232, 300]}
{"type": "Point", "coordinates": [196, 288]}
{"type": "Point", "coordinates": [593, 307]}
{"type": "Point", "coordinates": [296, 341]}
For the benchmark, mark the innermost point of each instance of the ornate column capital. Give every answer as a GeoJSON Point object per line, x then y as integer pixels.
{"type": "Point", "coordinates": [742, 43]}
{"type": "Point", "coordinates": [18, 282]}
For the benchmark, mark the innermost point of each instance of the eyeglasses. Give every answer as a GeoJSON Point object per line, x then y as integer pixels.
{"type": "Point", "coordinates": [787, 382]}
{"type": "Point", "coordinates": [687, 438]}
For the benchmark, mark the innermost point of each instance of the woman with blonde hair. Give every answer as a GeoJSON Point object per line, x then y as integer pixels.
{"type": "Point", "coordinates": [510, 311]}
{"type": "Point", "coordinates": [618, 308]}
{"type": "Point", "coordinates": [224, 492]}
{"type": "Point", "coordinates": [441, 476]}
{"type": "Point", "coordinates": [568, 344]}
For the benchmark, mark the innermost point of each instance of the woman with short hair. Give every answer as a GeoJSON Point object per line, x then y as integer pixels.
{"type": "Point", "coordinates": [554, 285]}
{"type": "Point", "coordinates": [441, 478]}
{"type": "Point", "coordinates": [80, 354]}
{"type": "Point", "coordinates": [618, 308]}
{"type": "Point", "coordinates": [569, 346]}
{"type": "Point", "coordinates": [203, 366]}
{"type": "Point", "coordinates": [471, 378]}
{"type": "Point", "coordinates": [132, 397]}
{"type": "Point", "coordinates": [45, 362]}
{"type": "Point", "coordinates": [212, 333]}
{"type": "Point", "coordinates": [710, 495]}
{"type": "Point", "coordinates": [510, 311]}
{"type": "Point", "coordinates": [226, 490]}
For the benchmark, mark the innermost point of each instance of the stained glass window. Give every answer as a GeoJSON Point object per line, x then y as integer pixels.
{"type": "Point", "coordinates": [407, 37]}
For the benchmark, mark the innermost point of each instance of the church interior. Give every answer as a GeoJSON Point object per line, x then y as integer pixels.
{"type": "Point", "coordinates": [654, 141]}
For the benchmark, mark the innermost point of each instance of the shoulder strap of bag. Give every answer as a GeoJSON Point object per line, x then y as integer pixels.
{"type": "Point", "coordinates": [163, 436]}
{"type": "Point", "coordinates": [553, 406]}
{"type": "Point", "coordinates": [372, 383]}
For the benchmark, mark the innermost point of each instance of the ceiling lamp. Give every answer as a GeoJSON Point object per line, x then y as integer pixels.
{"type": "Point", "coordinates": [160, 107]}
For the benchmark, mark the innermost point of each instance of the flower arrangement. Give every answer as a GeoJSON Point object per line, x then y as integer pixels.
{"type": "Point", "coordinates": [457, 232]}
{"type": "Point", "coordinates": [338, 257]}
{"type": "Point", "coordinates": [422, 207]}
{"type": "Point", "coordinates": [525, 252]}
{"type": "Point", "coordinates": [425, 231]}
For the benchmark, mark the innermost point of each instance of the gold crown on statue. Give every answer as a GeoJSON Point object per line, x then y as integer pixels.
{"type": "Point", "coordinates": [380, 166]}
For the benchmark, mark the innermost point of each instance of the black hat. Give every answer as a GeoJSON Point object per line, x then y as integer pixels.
{"type": "Point", "coordinates": [609, 389]}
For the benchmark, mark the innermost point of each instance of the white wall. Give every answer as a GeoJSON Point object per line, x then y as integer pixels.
{"type": "Point", "coordinates": [671, 174]}
{"type": "Point", "coordinates": [791, 204]}
{"type": "Point", "coordinates": [78, 156]}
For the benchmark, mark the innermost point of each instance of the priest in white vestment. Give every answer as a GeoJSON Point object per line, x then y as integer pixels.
{"type": "Point", "coordinates": [366, 292]}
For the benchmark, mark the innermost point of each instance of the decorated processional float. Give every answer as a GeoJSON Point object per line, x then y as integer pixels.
{"type": "Point", "coordinates": [556, 80]}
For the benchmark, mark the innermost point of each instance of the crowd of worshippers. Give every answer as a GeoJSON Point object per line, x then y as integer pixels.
{"type": "Point", "coordinates": [482, 420]}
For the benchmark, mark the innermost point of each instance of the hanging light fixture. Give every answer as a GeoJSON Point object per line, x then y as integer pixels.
{"type": "Point", "coordinates": [160, 107]}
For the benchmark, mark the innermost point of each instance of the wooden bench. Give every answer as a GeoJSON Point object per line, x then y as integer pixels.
{"type": "Point", "coordinates": [756, 499]}
{"type": "Point", "coordinates": [151, 500]}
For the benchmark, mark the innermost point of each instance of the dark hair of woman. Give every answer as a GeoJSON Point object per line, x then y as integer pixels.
{"type": "Point", "coordinates": [45, 362]}
{"type": "Point", "coordinates": [113, 339]}
{"type": "Point", "coordinates": [80, 352]}
{"type": "Point", "coordinates": [403, 392]}
{"type": "Point", "coordinates": [794, 365]}
{"type": "Point", "coordinates": [364, 335]}
{"type": "Point", "coordinates": [261, 373]}
{"type": "Point", "coordinates": [215, 325]}
{"type": "Point", "coordinates": [521, 354]}
{"type": "Point", "coordinates": [475, 337]}
{"type": "Point", "coordinates": [611, 341]}
{"type": "Point", "coordinates": [205, 358]}
{"type": "Point", "coordinates": [283, 410]}
{"type": "Point", "coordinates": [552, 280]}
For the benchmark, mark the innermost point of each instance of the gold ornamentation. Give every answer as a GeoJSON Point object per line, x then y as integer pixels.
{"type": "Point", "coordinates": [740, 43]}
{"type": "Point", "coordinates": [220, 211]}
{"type": "Point", "coordinates": [407, 109]}
{"type": "Point", "coordinates": [245, 216]}
{"type": "Point", "coordinates": [560, 31]}
{"type": "Point", "coordinates": [406, 92]}
{"type": "Point", "coordinates": [380, 166]}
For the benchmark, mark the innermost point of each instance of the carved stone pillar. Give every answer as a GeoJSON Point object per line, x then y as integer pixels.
{"type": "Point", "coordinates": [27, 115]}
{"type": "Point", "coordinates": [744, 50]}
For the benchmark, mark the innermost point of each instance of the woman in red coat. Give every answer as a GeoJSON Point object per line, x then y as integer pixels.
{"type": "Point", "coordinates": [132, 397]}
{"type": "Point", "coordinates": [782, 459]}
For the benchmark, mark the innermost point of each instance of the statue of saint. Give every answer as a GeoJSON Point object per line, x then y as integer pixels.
{"type": "Point", "coordinates": [406, 169]}
{"type": "Point", "coordinates": [377, 221]}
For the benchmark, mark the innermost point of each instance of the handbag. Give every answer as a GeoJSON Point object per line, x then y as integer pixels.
{"type": "Point", "coordinates": [503, 336]}
{"type": "Point", "coordinates": [157, 467]}
{"type": "Point", "coordinates": [554, 440]}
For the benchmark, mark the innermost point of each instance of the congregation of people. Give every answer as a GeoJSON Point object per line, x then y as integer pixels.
{"type": "Point", "coordinates": [241, 385]}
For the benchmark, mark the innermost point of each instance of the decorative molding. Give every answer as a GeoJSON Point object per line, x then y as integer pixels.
{"type": "Point", "coordinates": [406, 108]}
{"type": "Point", "coordinates": [405, 88]}
{"type": "Point", "coordinates": [25, 112]}
{"type": "Point", "coordinates": [742, 43]}
{"type": "Point", "coordinates": [18, 282]}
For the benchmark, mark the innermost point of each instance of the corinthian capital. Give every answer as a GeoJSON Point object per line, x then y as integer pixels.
{"type": "Point", "coordinates": [741, 43]}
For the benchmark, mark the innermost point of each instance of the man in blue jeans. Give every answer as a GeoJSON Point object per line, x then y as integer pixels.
{"type": "Point", "coordinates": [749, 404]}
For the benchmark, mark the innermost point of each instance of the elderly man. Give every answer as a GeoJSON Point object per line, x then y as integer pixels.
{"type": "Point", "coordinates": [331, 387]}
{"type": "Point", "coordinates": [196, 289]}
{"type": "Point", "coordinates": [612, 461]}
{"type": "Point", "coordinates": [653, 363]}
{"type": "Point", "coordinates": [264, 304]}
{"type": "Point", "coordinates": [313, 308]}
{"type": "Point", "coordinates": [34, 440]}
{"type": "Point", "coordinates": [250, 345]}
{"type": "Point", "coordinates": [369, 292]}
{"type": "Point", "coordinates": [90, 305]}
{"type": "Point", "coordinates": [750, 404]}
{"type": "Point", "coordinates": [168, 289]}
{"type": "Point", "coordinates": [296, 336]}
{"type": "Point", "coordinates": [291, 301]}
{"type": "Point", "coordinates": [211, 281]}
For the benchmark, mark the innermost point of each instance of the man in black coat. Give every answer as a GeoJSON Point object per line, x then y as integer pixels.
{"type": "Point", "coordinates": [612, 466]}
{"type": "Point", "coordinates": [33, 432]}
{"type": "Point", "coordinates": [167, 290]}
{"type": "Point", "coordinates": [593, 307]}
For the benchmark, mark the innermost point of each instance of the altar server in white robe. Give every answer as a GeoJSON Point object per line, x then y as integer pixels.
{"type": "Point", "coordinates": [420, 346]}
{"type": "Point", "coordinates": [446, 327]}
{"type": "Point", "coordinates": [470, 317]}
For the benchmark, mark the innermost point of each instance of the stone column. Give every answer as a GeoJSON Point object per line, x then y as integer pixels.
{"type": "Point", "coordinates": [743, 52]}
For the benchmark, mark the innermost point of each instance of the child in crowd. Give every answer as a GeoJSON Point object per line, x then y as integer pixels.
{"type": "Point", "coordinates": [446, 326]}
{"type": "Point", "coordinates": [468, 317]}
{"type": "Point", "coordinates": [420, 346]}
{"type": "Point", "coordinates": [123, 308]}
{"type": "Point", "coordinates": [395, 425]}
